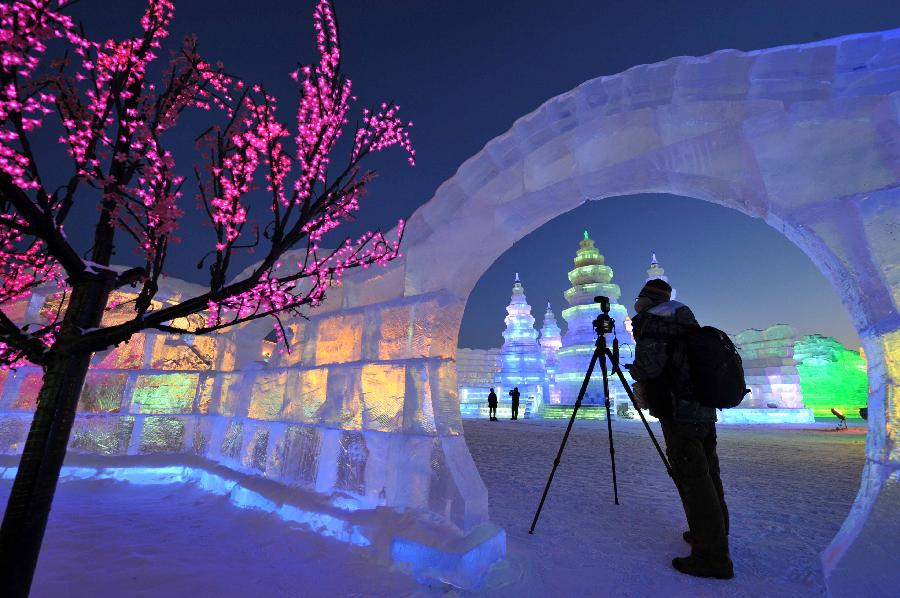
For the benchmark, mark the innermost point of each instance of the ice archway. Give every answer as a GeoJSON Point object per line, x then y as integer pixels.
{"type": "Point", "coordinates": [365, 411]}
{"type": "Point", "coordinates": [806, 137]}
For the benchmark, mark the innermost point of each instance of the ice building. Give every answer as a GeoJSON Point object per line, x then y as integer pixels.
{"type": "Point", "coordinates": [551, 341]}
{"type": "Point", "coordinates": [831, 376]}
{"type": "Point", "coordinates": [772, 377]}
{"type": "Point", "coordinates": [521, 358]}
{"type": "Point", "coordinates": [590, 277]}
{"type": "Point", "coordinates": [656, 271]}
{"type": "Point", "coordinates": [476, 370]}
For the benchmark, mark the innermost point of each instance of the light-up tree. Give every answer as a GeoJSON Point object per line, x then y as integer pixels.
{"type": "Point", "coordinates": [115, 120]}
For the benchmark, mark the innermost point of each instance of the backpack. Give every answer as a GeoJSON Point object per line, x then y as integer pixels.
{"type": "Point", "coordinates": [716, 369]}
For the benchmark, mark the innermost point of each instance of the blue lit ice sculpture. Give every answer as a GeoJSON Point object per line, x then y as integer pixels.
{"type": "Point", "coordinates": [521, 360]}
{"type": "Point", "coordinates": [551, 341]}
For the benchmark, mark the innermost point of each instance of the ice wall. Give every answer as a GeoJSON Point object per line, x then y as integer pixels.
{"type": "Point", "coordinates": [476, 370]}
{"type": "Point", "coordinates": [805, 137]}
{"type": "Point", "coordinates": [769, 368]}
{"type": "Point", "coordinates": [831, 376]}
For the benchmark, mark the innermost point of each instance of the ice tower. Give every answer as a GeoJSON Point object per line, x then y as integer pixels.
{"type": "Point", "coordinates": [655, 271]}
{"type": "Point", "coordinates": [521, 362]}
{"type": "Point", "coordinates": [590, 277]}
{"type": "Point", "coordinates": [551, 341]}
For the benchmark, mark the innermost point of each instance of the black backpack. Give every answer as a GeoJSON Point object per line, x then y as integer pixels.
{"type": "Point", "coordinates": [717, 372]}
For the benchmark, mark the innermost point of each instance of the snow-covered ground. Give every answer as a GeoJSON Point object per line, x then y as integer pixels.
{"type": "Point", "coordinates": [788, 491]}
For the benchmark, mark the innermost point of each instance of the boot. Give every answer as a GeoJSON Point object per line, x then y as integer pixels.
{"type": "Point", "coordinates": [698, 567]}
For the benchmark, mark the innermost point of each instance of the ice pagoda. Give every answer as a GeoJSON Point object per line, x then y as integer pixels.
{"type": "Point", "coordinates": [590, 277]}
{"type": "Point", "coordinates": [521, 359]}
{"type": "Point", "coordinates": [551, 341]}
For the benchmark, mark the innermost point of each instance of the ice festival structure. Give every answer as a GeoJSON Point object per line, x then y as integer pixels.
{"type": "Point", "coordinates": [772, 377]}
{"type": "Point", "coordinates": [590, 278]}
{"type": "Point", "coordinates": [521, 358]}
{"type": "Point", "coordinates": [551, 341]}
{"type": "Point", "coordinates": [364, 413]}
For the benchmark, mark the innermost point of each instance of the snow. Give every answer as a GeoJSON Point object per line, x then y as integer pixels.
{"type": "Point", "coordinates": [788, 489]}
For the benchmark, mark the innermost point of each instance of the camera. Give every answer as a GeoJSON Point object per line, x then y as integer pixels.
{"type": "Point", "coordinates": [603, 324]}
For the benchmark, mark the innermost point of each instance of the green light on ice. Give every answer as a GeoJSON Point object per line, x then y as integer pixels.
{"type": "Point", "coordinates": [842, 384]}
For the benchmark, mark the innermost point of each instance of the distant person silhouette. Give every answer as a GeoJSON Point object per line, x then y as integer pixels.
{"type": "Point", "coordinates": [514, 393]}
{"type": "Point", "coordinates": [492, 405]}
{"type": "Point", "coordinates": [663, 384]}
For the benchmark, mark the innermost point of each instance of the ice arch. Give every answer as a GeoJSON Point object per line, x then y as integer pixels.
{"type": "Point", "coordinates": [805, 137]}
{"type": "Point", "coordinates": [364, 412]}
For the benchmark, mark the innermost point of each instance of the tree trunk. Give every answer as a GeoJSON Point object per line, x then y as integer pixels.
{"type": "Point", "coordinates": [32, 493]}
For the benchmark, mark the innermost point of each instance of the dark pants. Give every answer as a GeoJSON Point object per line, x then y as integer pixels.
{"type": "Point", "coordinates": [515, 410]}
{"type": "Point", "coordinates": [691, 448]}
{"type": "Point", "coordinates": [492, 412]}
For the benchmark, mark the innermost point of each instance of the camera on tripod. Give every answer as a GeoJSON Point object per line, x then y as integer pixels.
{"type": "Point", "coordinates": [603, 324]}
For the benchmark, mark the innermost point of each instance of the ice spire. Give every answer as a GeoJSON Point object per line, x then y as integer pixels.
{"type": "Point", "coordinates": [551, 341]}
{"type": "Point", "coordinates": [521, 361]}
{"type": "Point", "coordinates": [657, 272]}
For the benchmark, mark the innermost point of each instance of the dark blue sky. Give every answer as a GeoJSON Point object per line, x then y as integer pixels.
{"type": "Point", "coordinates": [464, 70]}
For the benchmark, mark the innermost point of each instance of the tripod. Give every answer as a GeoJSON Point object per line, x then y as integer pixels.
{"type": "Point", "coordinates": [602, 325]}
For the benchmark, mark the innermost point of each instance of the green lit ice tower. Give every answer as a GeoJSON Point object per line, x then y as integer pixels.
{"type": "Point", "coordinates": [521, 361]}
{"type": "Point", "coordinates": [590, 277]}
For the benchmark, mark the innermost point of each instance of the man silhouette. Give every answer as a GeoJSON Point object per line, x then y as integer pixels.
{"type": "Point", "coordinates": [492, 405]}
{"type": "Point", "coordinates": [514, 393]}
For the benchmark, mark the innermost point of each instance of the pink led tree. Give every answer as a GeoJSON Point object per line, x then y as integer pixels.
{"type": "Point", "coordinates": [113, 115]}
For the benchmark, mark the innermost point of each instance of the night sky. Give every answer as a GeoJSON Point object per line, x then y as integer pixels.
{"type": "Point", "coordinates": [464, 70]}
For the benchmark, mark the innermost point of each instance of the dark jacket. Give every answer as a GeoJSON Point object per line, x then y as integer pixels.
{"type": "Point", "coordinates": [661, 364]}
{"type": "Point", "coordinates": [515, 394]}
{"type": "Point", "coordinates": [492, 399]}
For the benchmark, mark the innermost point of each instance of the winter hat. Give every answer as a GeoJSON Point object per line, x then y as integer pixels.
{"type": "Point", "coordinates": [657, 289]}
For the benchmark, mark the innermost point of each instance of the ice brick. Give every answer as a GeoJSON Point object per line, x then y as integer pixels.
{"type": "Point", "coordinates": [101, 435]}
{"type": "Point", "coordinates": [305, 394]}
{"type": "Point", "coordinates": [232, 440]}
{"type": "Point", "coordinates": [267, 395]}
{"type": "Point", "coordinates": [13, 432]}
{"type": "Point", "coordinates": [165, 393]}
{"type": "Point", "coordinates": [382, 393]}
{"type": "Point", "coordinates": [102, 392]}
{"type": "Point", "coordinates": [256, 450]}
{"type": "Point", "coordinates": [295, 456]}
{"type": "Point", "coordinates": [162, 435]}
{"type": "Point", "coordinates": [338, 339]}
{"type": "Point", "coordinates": [128, 355]}
{"type": "Point", "coordinates": [351, 466]}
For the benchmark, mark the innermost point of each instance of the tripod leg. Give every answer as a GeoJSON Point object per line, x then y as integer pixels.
{"type": "Point", "coordinates": [584, 385]}
{"type": "Point", "coordinates": [630, 392]}
{"type": "Point", "coordinates": [612, 448]}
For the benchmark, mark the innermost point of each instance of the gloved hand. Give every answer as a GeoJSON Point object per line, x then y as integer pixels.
{"type": "Point", "coordinates": [640, 400]}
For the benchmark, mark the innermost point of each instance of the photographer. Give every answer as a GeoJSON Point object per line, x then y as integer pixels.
{"type": "Point", "coordinates": [662, 383]}
{"type": "Point", "coordinates": [514, 393]}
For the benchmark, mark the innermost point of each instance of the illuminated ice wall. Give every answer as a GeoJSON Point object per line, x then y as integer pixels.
{"type": "Point", "coordinates": [770, 373]}
{"type": "Point", "coordinates": [476, 371]}
{"type": "Point", "coordinates": [769, 367]}
{"type": "Point", "coordinates": [831, 376]}
{"type": "Point", "coordinates": [551, 341]}
{"type": "Point", "coordinates": [521, 358]}
{"type": "Point", "coordinates": [590, 277]}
